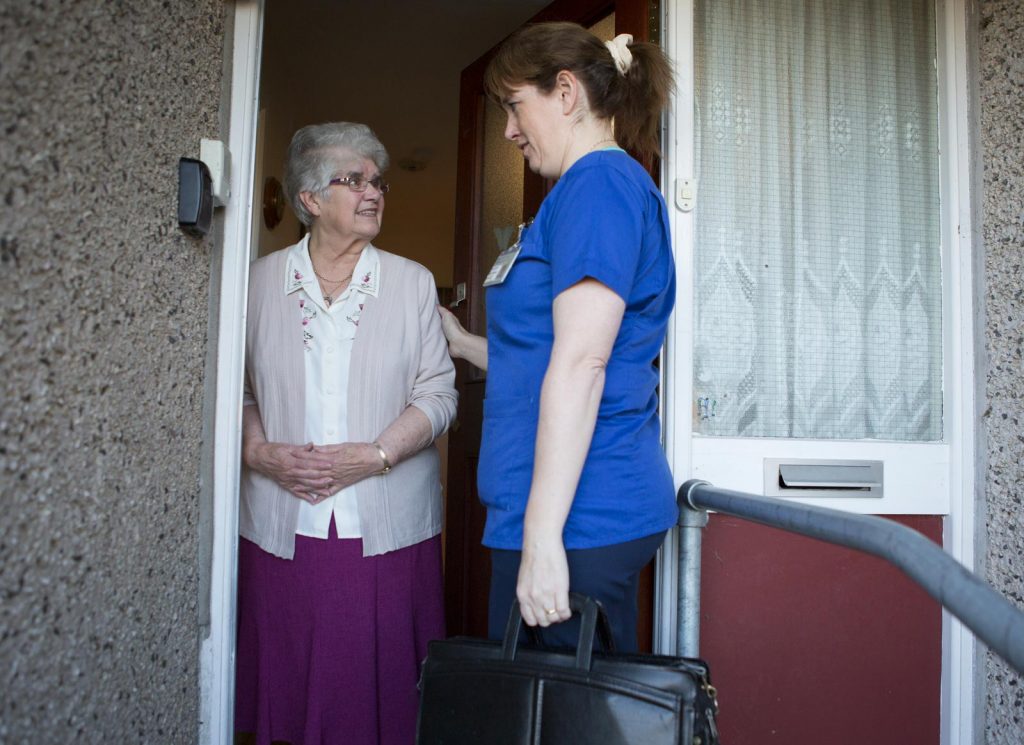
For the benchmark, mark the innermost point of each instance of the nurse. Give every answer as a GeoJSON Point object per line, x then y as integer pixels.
{"type": "Point", "coordinates": [572, 473]}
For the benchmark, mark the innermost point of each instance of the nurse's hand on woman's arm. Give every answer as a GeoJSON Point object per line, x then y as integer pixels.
{"type": "Point", "coordinates": [463, 345]}
{"type": "Point", "coordinates": [297, 468]}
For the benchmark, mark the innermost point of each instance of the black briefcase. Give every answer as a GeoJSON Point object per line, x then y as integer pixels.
{"type": "Point", "coordinates": [476, 692]}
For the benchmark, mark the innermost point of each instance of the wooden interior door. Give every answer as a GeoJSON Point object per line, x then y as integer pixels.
{"type": "Point", "coordinates": [495, 192]}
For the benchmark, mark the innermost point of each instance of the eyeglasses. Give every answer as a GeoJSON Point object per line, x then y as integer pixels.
{"type": "Point", "coordinates": [359, 183]}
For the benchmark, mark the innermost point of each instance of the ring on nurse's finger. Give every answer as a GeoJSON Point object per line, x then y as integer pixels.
{"type": "Point", "coordinates": [550, 611]}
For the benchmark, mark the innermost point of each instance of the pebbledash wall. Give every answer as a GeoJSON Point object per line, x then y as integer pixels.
{"type": "Point", "coordinates": [1001, 93]}
{"type": "Point", "coordinates": [104, 343]}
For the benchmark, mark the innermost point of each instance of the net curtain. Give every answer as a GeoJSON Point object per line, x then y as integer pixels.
{"type": "Point", "coordinates": [817, 256]}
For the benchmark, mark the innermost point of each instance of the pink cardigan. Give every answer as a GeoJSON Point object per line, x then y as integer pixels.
{"type": "Point", "coordinates": [399, 359]}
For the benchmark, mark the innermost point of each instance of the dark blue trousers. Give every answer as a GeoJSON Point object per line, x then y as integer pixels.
{"type": "Point", "coordinates": [607, 573]}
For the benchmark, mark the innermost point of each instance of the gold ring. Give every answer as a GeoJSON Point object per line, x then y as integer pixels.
{"type": "Point", "coordinates": [550, 611]}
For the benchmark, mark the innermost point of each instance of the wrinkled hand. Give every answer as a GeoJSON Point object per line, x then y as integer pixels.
{"type": "Point", "coordinates": [349, 462]}
{"type": "Point", "coordinates": [297, 468]}
{"type": "Point", "coordinates": [543, 584]}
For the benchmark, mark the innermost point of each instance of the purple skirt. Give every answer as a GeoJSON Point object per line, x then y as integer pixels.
{"type": "Point", "coordinates": [330, 643]}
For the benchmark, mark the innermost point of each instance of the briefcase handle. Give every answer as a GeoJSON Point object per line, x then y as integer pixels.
{"type": "Point", "coordinates": [594, 621]}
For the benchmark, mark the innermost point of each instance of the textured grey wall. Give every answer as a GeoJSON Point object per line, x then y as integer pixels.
{"type": "Point", "coordinates": [104, 306]}
{"type": "Point", "coordinates": [1001, 90]}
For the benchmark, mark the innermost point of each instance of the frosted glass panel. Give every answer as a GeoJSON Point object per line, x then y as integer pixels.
{"type": "Point", "coordinates": [502, 190]}
{"type": "Point", "coordinates": [817, 265]}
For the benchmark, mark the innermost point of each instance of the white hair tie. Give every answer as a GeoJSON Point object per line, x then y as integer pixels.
{"type": "Point", "coordinates": [619, 48]}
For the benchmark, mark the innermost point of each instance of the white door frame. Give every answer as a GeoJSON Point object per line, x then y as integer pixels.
{"type": "Point", "coordinates": [959, 649]}
{"type": "Point", "coordinates": [217, 651]}
{"type": "Point", "coordinates": [962, 714]}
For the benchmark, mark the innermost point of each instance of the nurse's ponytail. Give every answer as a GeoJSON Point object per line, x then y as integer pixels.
{"type": "Point", "coordinates": [626, 81]}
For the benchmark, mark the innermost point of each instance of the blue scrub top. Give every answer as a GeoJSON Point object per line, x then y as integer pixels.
{"type": "Point", "coordinates": [605, 219]}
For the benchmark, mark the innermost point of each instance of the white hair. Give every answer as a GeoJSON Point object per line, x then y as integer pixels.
{"type": "Point", "coordinates": [312, 158]}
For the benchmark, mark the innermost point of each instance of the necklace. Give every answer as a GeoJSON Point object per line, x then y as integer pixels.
{"type": "Point", "coordinates": [331, 281]}
{"type": "Point", "coordinates": [326, 283]}
{"type": "Point", "coordinates": [329, 296]}
{"type": "Point", "coordinates": [601, 142]}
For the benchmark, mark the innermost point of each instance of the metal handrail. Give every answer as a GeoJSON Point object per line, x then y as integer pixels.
{"type": "Point", "coordinates": [991, 617]}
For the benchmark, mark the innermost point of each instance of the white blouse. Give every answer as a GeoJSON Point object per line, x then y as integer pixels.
{"type": "Point", "coordinates": [328, 333]}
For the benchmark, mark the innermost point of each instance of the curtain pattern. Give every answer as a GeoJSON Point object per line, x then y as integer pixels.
{"type": "Point", "coordinates": [817, 260]}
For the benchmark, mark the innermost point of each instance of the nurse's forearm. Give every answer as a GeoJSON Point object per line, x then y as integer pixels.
{"type": "Point", "coordinates": [471, 348]}
{"type": "Point", "coordinates": [463, 345]}
{"type": "Point", "coordinates": [587, 317]}
{"type": "Point", "coordinates": [569, 403]}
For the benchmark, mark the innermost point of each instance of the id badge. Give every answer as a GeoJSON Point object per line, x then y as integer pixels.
{"type": "Point", "coordinates": [506, 259]}
{"type": "Point", "coordinates": [503, 265]}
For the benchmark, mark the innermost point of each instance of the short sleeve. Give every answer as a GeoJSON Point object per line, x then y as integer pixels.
{"type": "Point", "coordinates": [596, 231]}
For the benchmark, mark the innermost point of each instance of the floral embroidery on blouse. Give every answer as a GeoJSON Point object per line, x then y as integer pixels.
{"type": "Point", "coordinates": [367, 283]}
{"type": "Point", "coordinates": [295, 282]}
{"type": "Point", "coordinates": [356, 314]}
{"type": "Point", "coordinates": [308, 311]}
{"type": "Point", "coordinates": [299, 278]}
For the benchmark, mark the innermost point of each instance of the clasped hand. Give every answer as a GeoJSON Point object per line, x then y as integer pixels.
{"type": "Point", "coordinates": [315, 472]}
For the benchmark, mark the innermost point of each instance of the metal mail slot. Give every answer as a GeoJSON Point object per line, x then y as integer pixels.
{"type": "Point", "coordinates": [787, 477]}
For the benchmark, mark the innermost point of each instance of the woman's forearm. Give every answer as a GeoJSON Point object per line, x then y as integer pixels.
{"type": "Point", "coordinates": [351, 462]}
{"type": "Point", "coordinates": [252, 435]}
{"type": "Point", "coordinates": [406, 436]}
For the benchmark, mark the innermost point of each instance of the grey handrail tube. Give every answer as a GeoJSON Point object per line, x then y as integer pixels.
{"type": "Point", "coordinates": [993, 619]}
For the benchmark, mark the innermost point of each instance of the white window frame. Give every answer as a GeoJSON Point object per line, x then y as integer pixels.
{"type": "Point", "coordinates": [924, 478]}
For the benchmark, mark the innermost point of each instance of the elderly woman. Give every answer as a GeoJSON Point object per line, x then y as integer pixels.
{"type": "Point", "coordinates": [348, 385]}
